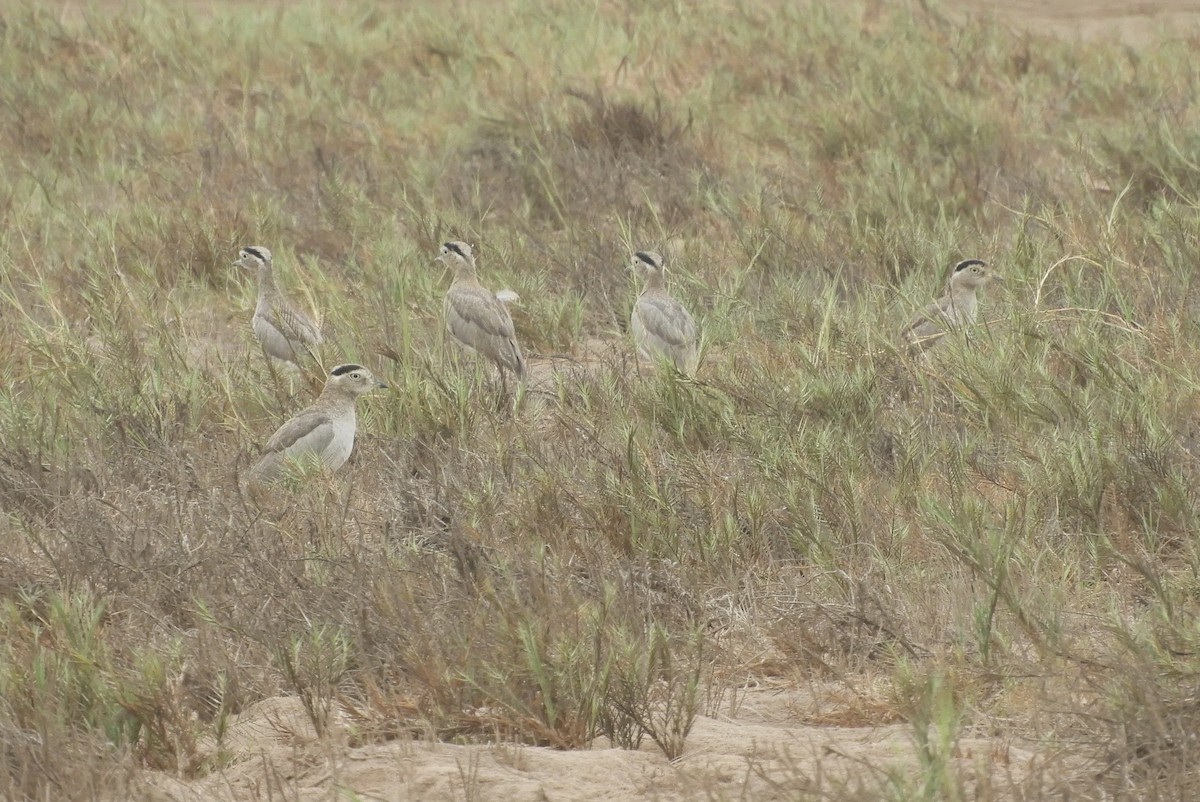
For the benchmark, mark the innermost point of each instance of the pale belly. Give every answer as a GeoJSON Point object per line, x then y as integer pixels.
{"type": "Point", "coordinates": [339, 448]}
{"type": "Point", "coordinates": [647, 349]}
{"type": "Point", "coordinates": [273, 341]}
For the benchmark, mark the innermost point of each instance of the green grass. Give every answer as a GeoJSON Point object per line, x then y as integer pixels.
{"type": "Point", "coordinates": [1004, 533]}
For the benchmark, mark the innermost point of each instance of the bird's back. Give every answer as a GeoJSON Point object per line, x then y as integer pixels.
{"type": "Point", "coordinates": [318, 433]}
{"type": "Point", "coordinates": [931, 320]}
{"type": "Point", "coordinates": [479, 320]}
{"type": "Point", "coordinates": [282, 328]}
{"type": "Point", "coordinates": [662, 326]}
{"type": "Point", "coordinates": [950, 311]}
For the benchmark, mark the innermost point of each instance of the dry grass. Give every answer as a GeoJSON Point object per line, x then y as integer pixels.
{"type": "Point", "coordinates": [1003, 536]}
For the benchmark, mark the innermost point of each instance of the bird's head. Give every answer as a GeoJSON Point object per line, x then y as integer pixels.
{"type": "Point", "coordinates": [253, 257]}
{"type": "Point", "coordinates": [353, 380]}
{"type": "Point", "coordinates": [457, 255]}
{"type": "Point", "coordinates": [973, 273]}
{"type": "Point", "coordinates": [649, 265]}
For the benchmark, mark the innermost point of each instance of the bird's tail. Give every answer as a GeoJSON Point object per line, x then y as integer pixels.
{"type": "Point", "coordinates": [521, 365]}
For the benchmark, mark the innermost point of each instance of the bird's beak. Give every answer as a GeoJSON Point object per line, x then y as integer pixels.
{"type": "Point", "coordinates": [381, 385]}
{"type": "Point", "coordinates": [997, 277]}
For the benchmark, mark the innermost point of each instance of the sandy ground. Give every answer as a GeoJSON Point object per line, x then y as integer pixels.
{"type": "Point", "coordinates": [761, 753]}
{"type": "Point", "coordinates": [762, 750]}
{"type": "Point", "coordinates": [1136, 22]}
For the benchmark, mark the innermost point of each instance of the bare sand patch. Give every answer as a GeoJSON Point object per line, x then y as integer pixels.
{"type": "Point", "coordinates": [762, 752]}
{"type": "Point", "coordinates": [1136, 23]}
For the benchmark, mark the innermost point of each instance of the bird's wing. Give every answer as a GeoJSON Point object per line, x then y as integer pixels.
{"type": "Point", "coordinates": [295, 325]}
{"type": "Point", "coordinates": [311, 430]}
{"type": "Point", "coordinates": [666, 319]}
{"type": "Point", "coordinates": [473, 310]}
{"type": "Point", "coordinates": [931, 320]}
{"type": "Point", "coordinates": [478, 318]}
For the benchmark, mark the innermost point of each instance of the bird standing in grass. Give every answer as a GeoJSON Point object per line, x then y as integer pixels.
{"type": "Point", "coordinates": [283, 331]}
{"type": "Point", "coordinates": [662, 328]}
{"type": "Point", "coordinates": [324, 432]}
{"type": "Point", "coordinates": [958, 307]}
{"type": "Point", "coordinates": [477, 318]}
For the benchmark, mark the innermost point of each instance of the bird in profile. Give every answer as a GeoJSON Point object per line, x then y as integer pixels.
{"type": "Point", "coordinates": [662, 328]}
{"type": "Point", "coordinates": [477, 318]}
{"type": "Point", "coordinates": [284, 332]}
{"type": "Point", "coordinates": [322, 433]}
{"type": "Point", "coordinates": [958, 307]}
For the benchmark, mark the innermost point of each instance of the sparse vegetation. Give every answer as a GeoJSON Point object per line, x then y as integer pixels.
{"type": "Point", "coordinates": [1003, 536]}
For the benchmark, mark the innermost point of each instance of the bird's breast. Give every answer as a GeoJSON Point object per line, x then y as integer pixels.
{"type": "Point", "coordinates": [342, 443]}
{"type": "Point", "coordinates": [963, 310]}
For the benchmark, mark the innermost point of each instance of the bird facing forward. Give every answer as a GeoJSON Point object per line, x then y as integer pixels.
{"type": "Point", "coordinates": [322, 433]}
{"type": "Point", "coordinates": [662, 328]}
{"type": "Point", "coordinates": [475, 317]}
{"type": "Point", "coordinates": [958, 307]}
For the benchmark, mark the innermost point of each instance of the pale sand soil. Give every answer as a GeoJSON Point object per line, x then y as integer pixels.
{"type": "Point", "coordinates": [764, 751]}
{"type": "Point", "coordinates": [1136, 22]}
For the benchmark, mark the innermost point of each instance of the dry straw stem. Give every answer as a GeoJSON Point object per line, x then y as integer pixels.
{"type": "Point", "coordinates": [1076, 312]}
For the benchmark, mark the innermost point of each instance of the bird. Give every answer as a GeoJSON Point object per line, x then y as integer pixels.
{"type": "Point", "coordinates": [958, 307]}
{"type": "Point", "coordinates": [662, 327]}
{"type": "Point", "coordinates": [477, 318]}
{"type": "Point", "coordinates": [283, 331]}
{"type": "Point", "coordinates": [324, 432]}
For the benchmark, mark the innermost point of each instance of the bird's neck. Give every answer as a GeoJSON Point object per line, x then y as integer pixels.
{"type": "Point", "coordinates": [963, 300]}
{"type": "Point", "coordinates": [336, 398]}
{"type": "Point", "coordinates": [465, 271]}
{"type": "Point", "coordinates": [266, 279]}
{"type": "Point", "coordinates": [654, 281]}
